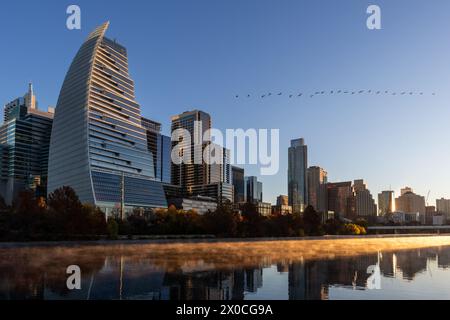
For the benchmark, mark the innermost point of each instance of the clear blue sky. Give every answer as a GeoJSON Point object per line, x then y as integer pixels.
{"type": "Point", "coordinates": [200, 53]}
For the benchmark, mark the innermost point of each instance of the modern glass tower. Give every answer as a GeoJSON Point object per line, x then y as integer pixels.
{"type": "Point", "coordinates": [98, 145]}
{"type": "Point", "coordinates": [297, 175]}
{"type": "Point", "coordinates": [24, 147]}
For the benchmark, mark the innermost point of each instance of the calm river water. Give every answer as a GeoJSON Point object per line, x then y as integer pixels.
{"type": "Point", "coordinates": [385, 268]}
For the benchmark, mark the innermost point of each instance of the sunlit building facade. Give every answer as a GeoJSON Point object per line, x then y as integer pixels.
{"type": "Point", "coordinates": [196, 176]}
{"type": "Point", "coordinates": [411, 203]}
{"type": "Point", "coordinates": [317, 178]}
{"type": "Point", "coordinates": [99, 145]}
{"type": "Point", "coordinates": [443, 207]}
{"type": "Point", "coordinates": [365, 206]}
{"type": "Point", "coordinates": [386, 202]}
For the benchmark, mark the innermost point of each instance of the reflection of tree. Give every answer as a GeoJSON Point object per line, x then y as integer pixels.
{"type": "Point", "coordinates": [29, 275]}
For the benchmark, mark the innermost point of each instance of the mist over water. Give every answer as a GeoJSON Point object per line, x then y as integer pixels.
{"type": "Point", "coordinates": [409, 268]}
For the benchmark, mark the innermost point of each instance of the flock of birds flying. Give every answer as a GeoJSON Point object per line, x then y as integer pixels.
{"type": "Point", "coordinates": [335, 92]}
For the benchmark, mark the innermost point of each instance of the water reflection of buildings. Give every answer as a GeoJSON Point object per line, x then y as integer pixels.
{"type": "Point", "coordinates": [114, 278]}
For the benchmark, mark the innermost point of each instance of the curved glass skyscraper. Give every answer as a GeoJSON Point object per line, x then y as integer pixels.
{"type": "Point", "coordinates": [98, 145]}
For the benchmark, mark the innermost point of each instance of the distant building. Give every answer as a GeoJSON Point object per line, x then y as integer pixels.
{"type": "Point", "coordinates": [160, 148]}
{"type": "Point", "coordinates": [317, 178]}
{"type": "Point", "coordinates": [405, 190]}
{"type": "Point", "coordinates": [198, 177]}
{"type": "Point", "coordinates": [386, 202]}
{"type": "Point", "coordinates": [405, 218]}
{"type": "Point", "coordinates": [340, 199]}
{"type": "Point", "coordinates": [264, 208]}
{"type": "Point", "coordinates": [221, 172]}
{"type": "Point", "coordinates": [409, 202]}
{"type": "Point", "coordinates": [238, 184]}
{"type": "Point", "coordinates": [24, 147]}
{"type": "Point", "coordinates": [297, 175]}
{"type": "Point", "coordinates": [443, 207]}
{"type": "Point", "coordinates": [365, 206]}
{"type": "Point", "coordinates": [430, 212]}
{"type": "Point", "coordinates": [253, 190]}
{"type": "Point", "coordinates": [201, 205]}
{"type": "Point", "coordinates": [282, 200]}
{"type": "Point", "coordinates": [281, 209]}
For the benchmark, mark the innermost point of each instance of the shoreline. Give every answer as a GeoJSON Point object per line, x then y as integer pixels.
{"type": "Point", "coordinates": [180, 240]}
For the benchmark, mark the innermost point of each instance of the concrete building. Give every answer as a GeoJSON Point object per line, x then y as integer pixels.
{"type": "Point", "coordinates": [264, 208]}
{"type": "Point", "coordinates": [297, 175]}
{"type": "Point", "coordinates": [443, 207]}
{"type": "Point", "coordinates": [282, 200]}
{"type": "Point", "coordinates": [340, 199]}
{"type": "Point", "coordinates": [317, 178]}
{"type": "Point", "coordinates": [365, 206]}
{"type": "Point", "coordinates": [281, 209]}
{"type": "Point", "coordinates": [98, 145]}
{"type": "Point", "coordinates": [409, 202]}
{"type": "Point", "coordinates": [24, 147]}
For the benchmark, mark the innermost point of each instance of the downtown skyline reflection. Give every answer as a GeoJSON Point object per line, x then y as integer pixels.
{"type": "Point", "coordinates": [242, 272]}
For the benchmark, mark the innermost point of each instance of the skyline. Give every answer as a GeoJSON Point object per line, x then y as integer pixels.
{"type": "Point", "coordinates": [367, 159]}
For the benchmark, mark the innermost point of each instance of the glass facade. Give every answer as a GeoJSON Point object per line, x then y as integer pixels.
{"type": "Point", "coordinates": [24, 147]}
{"type": "Point", "coordinates": [253, 190]}
{"type": "Point", "coordinates": [238, 184]}
{"type": "Point", "coordinates": [297, 175]}
{"type": "Point", "coordinates": [159, 147]}
{"type": "Point", "coordinates": [98, 135]}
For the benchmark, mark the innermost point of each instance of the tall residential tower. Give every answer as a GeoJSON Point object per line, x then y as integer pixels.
{"type": "Point", "coordinates": [297, 175]}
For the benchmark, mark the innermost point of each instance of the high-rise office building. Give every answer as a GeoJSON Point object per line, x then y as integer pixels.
{"type": "Point", "coordinates": [196, 176]}
{"type": "Point", "coordinates": [317, 178]}
{"type": "Point", "coordinates": [253, 190]}
{"type": "Point", "coordinates": [24, 147]}
{"type": "Point", "coordinates": [20, 106]}
{"type": "Point", "coordinates": [282, 200]}
{"type": "Point", "coordinates": [443, 207]}
{"type": "Point", "coordinates": [220, 172]}
{"type": "Point", "coordinates": [365, 206]}
{"type": "Point", "coordinates": [340, 199]}
{"type": "Point", "coordinates": [409, 202]}
{"type": "Point", "coordinates": [297, 175]}
{"type": "Point", "coordinates": [386, 202]}
{"type": "Point", "coordinates": [98, 145]}
{"type": "Point", "coordinates": [238, 184]}
{"type": "Point", "coordinates": [197, 171]}
{"type": "Point", "coordinates": [160, 148]}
